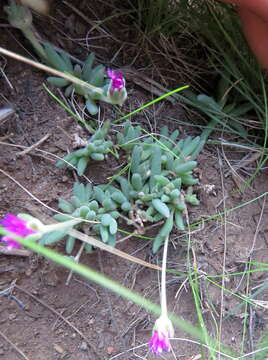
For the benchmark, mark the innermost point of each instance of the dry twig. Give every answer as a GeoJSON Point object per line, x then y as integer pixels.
{"type": "Point", "coordinates": [13, 346]}
{"type": "Point", "coordinates": [32, 147]}
{"type": "Point", "coordinates": [14, 251]}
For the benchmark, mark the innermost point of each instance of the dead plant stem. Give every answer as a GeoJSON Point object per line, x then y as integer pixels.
{"type": "Point", "coordinates": [49, 70]}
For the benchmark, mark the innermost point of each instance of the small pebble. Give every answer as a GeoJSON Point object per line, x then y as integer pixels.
{"type": "Point", "coordinates": [58, 348]}
{"type": "Point", "coordinates": [12, 316]}
{"type": "Point", "coordinates": [83, 346]}
{"type": "Point", "coordinates": [28, 272]}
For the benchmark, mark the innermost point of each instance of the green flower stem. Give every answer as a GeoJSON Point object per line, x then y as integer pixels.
{"type": "Point", "coordinates": [60, 226]}
{"type": "Point", "coordinates": [163, 279]}
{"type": "Point", "coordinates": [28, 33]}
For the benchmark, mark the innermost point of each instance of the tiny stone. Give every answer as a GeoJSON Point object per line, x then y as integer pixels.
{"type": "Point", "coordinates": [83, 346]}
{"type": "Point", "coordinates": [28, 272]}
{"type": "Point", "coordinates": [12, 316]}
{"type": "Point", "coordinates": [64, 178]}
{"type": "Point", "coordinates": [73, 336]}
{"type": "Point", "coordinates": [58, 348]}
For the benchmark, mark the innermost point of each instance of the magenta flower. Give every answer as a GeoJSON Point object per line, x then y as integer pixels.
{"type": "Point", "coordinates": [118, 81]}
{"type": "Point", "coordinates": [159, 342]}
{"type": "Point", "coordinates": [163, 330]}
{"type": "Point", "coordinates": [17, 226]}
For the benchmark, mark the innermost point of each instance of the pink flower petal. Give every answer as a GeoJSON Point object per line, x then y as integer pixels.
{"type": "Point", "coordinates": [118, 81]}
{"type": "Point", "coordinates": [17, 226]}
{"type": "Point", "coordinates": [159, 342]}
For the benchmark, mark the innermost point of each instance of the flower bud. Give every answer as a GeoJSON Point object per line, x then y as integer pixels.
{"type": "Point", "coordinates": [162, 332]}
{"type": "Point", "coordinates": [116, 93]}
{"type": "Point", "coordinates": [19, 16]}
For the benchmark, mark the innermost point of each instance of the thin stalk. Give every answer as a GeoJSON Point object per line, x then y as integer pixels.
{"type": "Point", "coordinates": [60, 226]}
{"type": "Point", "coordinates": [28, 33]}
{"type": "Point", "coordinates": [163, 279]}
{"type": "Point", "coordinates": [65, 107]}
{"type": "Point", "coordinates": [50, 70]}
{"type": "Point", "coordinates": [143, 107]}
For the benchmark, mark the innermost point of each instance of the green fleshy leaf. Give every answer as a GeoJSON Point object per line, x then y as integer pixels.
{"type": "Point", "coordinates": [91, 106]}
{"type": "Point", "coordinates": [53, 237]}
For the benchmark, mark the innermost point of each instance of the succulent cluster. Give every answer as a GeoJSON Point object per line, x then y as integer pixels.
{"type": "Point", "coordinates": [95, 149]}
{"type": "Point", "coordinates": [160, 171]}
{"type": "Point", "coordinates": [79, 206]}
{"type": "Point", "coordinates": [157, 187]}
{"type": "Point", "coordinates": [108, 86]}
{"type": "Point", "coordinates": [95, 204]}
{"type": "Point", "coordinates": [95, 76]}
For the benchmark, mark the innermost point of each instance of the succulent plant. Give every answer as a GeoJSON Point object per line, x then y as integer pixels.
{"type": "Point", "coordinates": [98, 209]}
{"type": "Point", "coordinates": [95, 76]}
{"type": "Point", "coordinates": [79, 206]}
{"type": "Point", "coordinates": [96, 149]}
{"type": "Point", "coordinates": [158, 186]}
{"type": "Point", "coordinates": [108, 86]}
{"type": "Point", "coordinates": [158, 170]}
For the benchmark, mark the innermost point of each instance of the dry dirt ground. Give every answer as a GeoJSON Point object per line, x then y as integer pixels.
{"type": "Point", "coordinates": [43, 318]}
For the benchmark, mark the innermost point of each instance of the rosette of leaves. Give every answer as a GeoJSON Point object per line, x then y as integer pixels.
{"type": "Point", "coordinates": [158, 187]}
{"type": "Point", "coordinates": [94, 75]}
{"type": "Point", "coordinates": [96, 149]}
{"type": "Point", "coordinates": [129, 136]}
{"type": "Point", "coordinates": [97, 211]}
{"type": "Point", "coordinates": [109, 88]}
{"type": "Point", "coordinates": [21, 17]}
{"type": "Point", "coordinates": [111, 202]}
{"type": "Point", "coordinates": [98, 208]}
{"type": "Point", "coordinates": [160, 177]}
{"type": "Point", "coordinates": [79, 206]}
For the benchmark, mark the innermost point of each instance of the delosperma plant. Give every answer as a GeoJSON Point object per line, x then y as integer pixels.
{"type": "Point", "coordinates": [159, 181]}
{"type": "Point", "coordinates": [153, 188]}
{"type": "Point", "coordinates": [156, 188]}
{"type": "Point", "coordinates": [95, 149]}
{"type": "Point", "coordinates": [106, 85]}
